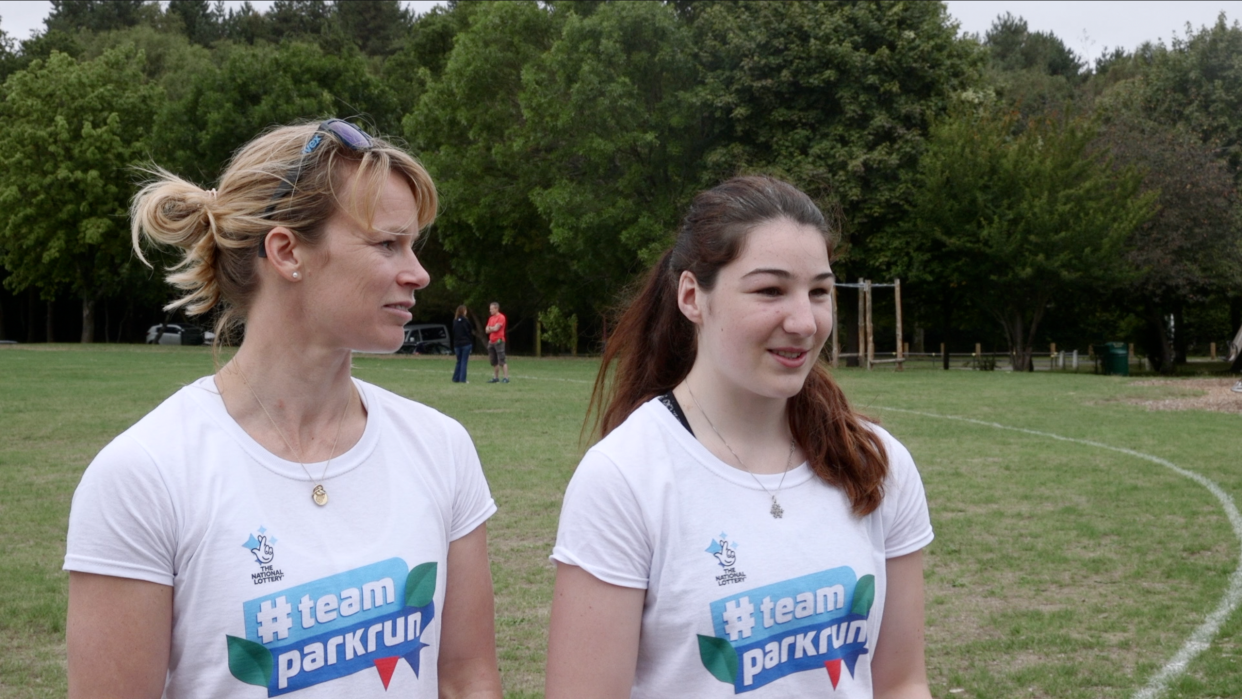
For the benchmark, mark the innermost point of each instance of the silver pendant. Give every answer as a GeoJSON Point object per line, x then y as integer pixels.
{"type": "Point", "coordinates": [320, 496]}
{"type": "Point", "coordinates": [777, 511]}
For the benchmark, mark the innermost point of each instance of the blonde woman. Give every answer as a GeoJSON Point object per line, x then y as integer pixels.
{"type": "Point", "coordinates": [280, 526]}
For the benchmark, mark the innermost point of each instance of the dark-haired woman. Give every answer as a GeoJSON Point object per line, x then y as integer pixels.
{"type": "Point", "coordinates": [738, 528]}
{"type": "Point", "coordinates": [463, 342]}
{"type": "Point", "coordinates": [281, 527]}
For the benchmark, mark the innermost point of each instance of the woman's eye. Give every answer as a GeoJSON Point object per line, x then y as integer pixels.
{"type": "Point", "coordinates": [819, 293]}
{"type": "Point", "coordinates": [770, 291]}
{"type": "Point", "coordinates": [389, 245]}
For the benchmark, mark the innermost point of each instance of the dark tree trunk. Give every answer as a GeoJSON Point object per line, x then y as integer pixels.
{"type": "Point", "coordinates": [1159, 345]}
{"type": "Point", "coordinates": [32, 312]}
{"type": "Point", "coordinates": [50, 322]}
{"type": "Point", "coordinates": [88, 320]}
{"type": "Point", "coordinates": [946, 326]}
{"type": "Point", "coordinates": [1180, 340]}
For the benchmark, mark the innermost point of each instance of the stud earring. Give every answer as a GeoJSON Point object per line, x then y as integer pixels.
{"type": "Point", "coordinates": [297, 275]}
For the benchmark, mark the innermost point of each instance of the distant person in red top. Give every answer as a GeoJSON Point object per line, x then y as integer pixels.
{"type": "Point", "coordinates": [495, 329]}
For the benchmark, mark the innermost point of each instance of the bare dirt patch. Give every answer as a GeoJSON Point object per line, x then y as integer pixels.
{"type": "Point", "coordinates": [1199, 394]}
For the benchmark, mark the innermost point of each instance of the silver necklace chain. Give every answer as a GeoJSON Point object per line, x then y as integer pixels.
{"type": "Point", "coordinates": [776, 511]}
{"type": "Point", "coordinates": [319, 494]}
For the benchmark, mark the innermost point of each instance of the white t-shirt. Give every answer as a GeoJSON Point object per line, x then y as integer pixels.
{"type": "Point", "coordinates": [738, 601]}
{"type": "Point", "coordinates": [273, 594]}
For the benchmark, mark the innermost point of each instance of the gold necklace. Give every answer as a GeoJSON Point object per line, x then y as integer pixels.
{"type": "Point", "coordinates": [319, 494]}
{"type": "Point", "coordinates": [776, 511]}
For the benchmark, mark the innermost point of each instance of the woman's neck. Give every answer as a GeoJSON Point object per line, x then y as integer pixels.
{"type": "Point", "coordinates": [733, 422]}
{"type": "Point", "coordinates": [291, 398]}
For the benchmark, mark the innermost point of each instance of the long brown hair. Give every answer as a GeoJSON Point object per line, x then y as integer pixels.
{"type": "Point", "coordinates": [654, 345]}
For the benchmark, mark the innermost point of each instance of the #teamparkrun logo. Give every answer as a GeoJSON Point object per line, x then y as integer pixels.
{"type": "Point", "coordinates": [762, 635]}
{"type": "Point", "coordinates": [373, 616]}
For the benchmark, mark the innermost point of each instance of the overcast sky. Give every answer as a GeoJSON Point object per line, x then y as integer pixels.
{"type": "Point", "coordinates": [1086, 26]}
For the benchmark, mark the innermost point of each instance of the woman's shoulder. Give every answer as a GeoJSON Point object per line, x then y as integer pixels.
{"type": "Point", "coordinates": [408, 413]}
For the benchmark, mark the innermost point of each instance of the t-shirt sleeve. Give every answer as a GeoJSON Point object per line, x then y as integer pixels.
{"type": "Point", "coordinates": [472, 501]}
{"type": "Point", "coordinates": [907, 524]}
{"type": "Point", "coordinates": [121, 522]}
{"type": "Point", "coordinates": [602, 528]}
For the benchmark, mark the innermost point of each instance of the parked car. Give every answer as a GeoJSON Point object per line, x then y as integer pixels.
{"type": "Point", "coordinates": [426, 338]}
{"type": "Point", "coordinates": [179, 334]}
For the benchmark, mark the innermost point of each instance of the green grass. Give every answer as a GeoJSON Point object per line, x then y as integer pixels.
{"type": "Point", "coordinates": [1058, 570]}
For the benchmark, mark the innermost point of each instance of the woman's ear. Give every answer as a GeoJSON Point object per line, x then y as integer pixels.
{"type": "Point", "coordinates": [284, 253]}
{"type": "Point", "coordinates": [690, 297]}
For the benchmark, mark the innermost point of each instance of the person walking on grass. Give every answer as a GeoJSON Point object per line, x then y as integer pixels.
{"type": "Point", "coordinates": [463, 342]}
{"type": "Point", "coordinates": [495, 330]}
{"type": "Point", "coordinates": [738, 528]}
{"type": "Point", "coordinates": [205, 558]}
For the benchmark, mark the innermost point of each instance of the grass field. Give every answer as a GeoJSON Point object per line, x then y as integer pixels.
{"type": "Point", "coordinates": [1059, 569]}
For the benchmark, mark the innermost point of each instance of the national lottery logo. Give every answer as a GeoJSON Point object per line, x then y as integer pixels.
{"type": "Point", "coordinates": [262, 546]}
{"type": "Point", "coordinates": [373, 616]}
{"type": "Point", "coordinates": [817, 620]}
{"type": "Point", "coordinates": [726, 555]}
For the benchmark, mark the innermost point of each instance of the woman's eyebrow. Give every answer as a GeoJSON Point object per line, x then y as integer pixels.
{"type": "Point", "coordinates": [785, 274]}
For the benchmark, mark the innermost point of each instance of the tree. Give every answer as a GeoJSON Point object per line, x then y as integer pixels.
{"type": "Point", "coordinates": [837, 97]}
{"type": "Point", "coordinates": [1191, 248]}
{"type": "Point", "coordinates": [375, 26]}
{"type": "Point", "coordinates": [490, 238]}
{"type": "Point", "coordinates": [201, 21]}
{"type": "Point", "coordinates": [69, 134]}
{"type": "Point", "coordinates": [1034, 72]}
{"type": "Point", "coordinates": [1016, 217]}
{"type": "Point", "coordinates": [614, 140]}
{"type": "Point", "coordinates": [93, 15]}
{"type": "Point", "coordinates": [257, 87]}
{"type": "Point", "coordinates": [1197, 83]}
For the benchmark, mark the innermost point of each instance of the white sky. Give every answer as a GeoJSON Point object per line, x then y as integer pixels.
{"type": "Point", "coordinates": [1086, 26]}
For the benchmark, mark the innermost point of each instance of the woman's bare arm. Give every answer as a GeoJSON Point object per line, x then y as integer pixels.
{"type": "Point", "coordinates": [468, 665]}
{"type": "Point", "coordinates": [119, 633]}
{"type": "Point", "coordinates": [584, 662]}
{"type": "Point", "coordinates": [898, 670]}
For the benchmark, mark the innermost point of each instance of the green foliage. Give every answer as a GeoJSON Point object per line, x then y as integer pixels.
{"type": "Point", "coordinates": [613, 139]}
{"type": "Point", "coordinates": [94, 15]}
{"type": "Point", "coordinates": [467, 128]}
{"type": "Point", "coordinates": [559, 329]}
{"type": "Point", "coordinates": [835, 96]}
{"type": "Point", "coordinates": [1013, 47]}
{"type": "Point", "coordinates": [1018, 217]}
{"type": "Point", "coordinates": [375, 26]}
{"type": "Point", "coordinates": [69, 132]}
{"type": "Point", "coordinates": [255, 88]}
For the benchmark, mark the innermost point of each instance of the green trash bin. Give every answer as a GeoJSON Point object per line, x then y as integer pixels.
{"type": "Point", "coordinates": [1114, 358]}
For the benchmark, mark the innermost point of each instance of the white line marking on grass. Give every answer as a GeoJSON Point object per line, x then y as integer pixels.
{"type": "Point", "coordinates": [1201, 638]}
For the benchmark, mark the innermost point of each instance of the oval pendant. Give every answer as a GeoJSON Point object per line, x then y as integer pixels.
{"type": "Point", "coordinates": [320, 496]}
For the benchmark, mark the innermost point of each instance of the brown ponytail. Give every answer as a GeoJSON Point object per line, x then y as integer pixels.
{"type": "Point", "coordinates": [654, 345]}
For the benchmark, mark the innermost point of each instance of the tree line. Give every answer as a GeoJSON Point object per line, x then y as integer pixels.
{"type": "Point", "coordinates": [1021, 194]}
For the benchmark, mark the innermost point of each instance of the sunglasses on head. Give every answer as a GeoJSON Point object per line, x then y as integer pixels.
{"type": "Point", "coordinates": [346, 133]}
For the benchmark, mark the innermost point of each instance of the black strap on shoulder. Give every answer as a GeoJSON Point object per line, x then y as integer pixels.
{"type": "Point", "coordinates": [670, 401]}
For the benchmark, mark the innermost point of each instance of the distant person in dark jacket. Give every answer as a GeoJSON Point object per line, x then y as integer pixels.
{"type": "Point", "coordinates": [463, 341]}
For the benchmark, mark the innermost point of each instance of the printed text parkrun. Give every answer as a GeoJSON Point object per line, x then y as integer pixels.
{"type": "Point", "coordinates": [336, 626]}
{"type": "Point", "coordinates": [815, 621]}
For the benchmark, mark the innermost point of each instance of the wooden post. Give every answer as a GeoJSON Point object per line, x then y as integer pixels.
{"type": "Point", "coordinates": [538, 338]}
{"type": "Point", "coordinates": [978, 354]}
{"type": "Point", "coordinates": [870, 330]}
{"type": "Point", "coordinates": [900, 354]}
{"type": "Point", "coordinates": [862, 323]}
{"type": "Point", "coordinates": [1052, 354]}
{"type": "Point", "coordinates": [1212, 350]}
{"type": "Point", "coordinates": [944, 355]}
{"type": "Point", "coordinates": [836, 327]}
{"type": "Point", "coordinates": [574, 347]}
